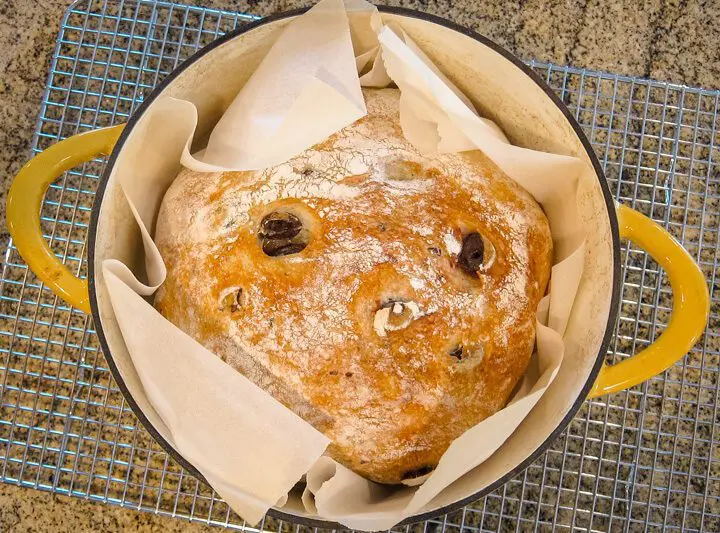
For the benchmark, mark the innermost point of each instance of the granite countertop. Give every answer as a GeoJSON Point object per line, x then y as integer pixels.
{"type": "Point", "coordinates": [668, 40]}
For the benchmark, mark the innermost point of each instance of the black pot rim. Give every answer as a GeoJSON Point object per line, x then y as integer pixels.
{"type": "Point", "coordinates": [311, 522]}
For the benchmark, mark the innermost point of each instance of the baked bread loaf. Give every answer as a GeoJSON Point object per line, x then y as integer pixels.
{"type": "Point", "coordinates": [385, 296]}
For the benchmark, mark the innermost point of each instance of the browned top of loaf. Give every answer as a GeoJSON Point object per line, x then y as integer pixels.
{"type": "Point", "coordinates": [386, 224]}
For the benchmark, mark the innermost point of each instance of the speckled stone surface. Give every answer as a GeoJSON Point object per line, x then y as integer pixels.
{"type": "Point", "coordinates": [27, 510]}
{"type": "Point", "coordinates": [665, 40]}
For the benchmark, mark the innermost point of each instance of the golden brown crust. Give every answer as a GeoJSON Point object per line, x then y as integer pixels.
{"type": "Point", "coordinates": [386, 224]}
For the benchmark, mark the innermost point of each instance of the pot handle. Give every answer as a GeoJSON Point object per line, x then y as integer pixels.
{"type": "Point", "coordinates": [25, 199]}
{"type": "Point", "coordinates": [691, 306]}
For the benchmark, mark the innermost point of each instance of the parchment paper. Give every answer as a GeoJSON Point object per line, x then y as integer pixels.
{"type": "Point", "coordinates": [249, 447]}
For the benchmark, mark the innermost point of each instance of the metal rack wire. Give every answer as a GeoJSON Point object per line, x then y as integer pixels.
{"type": "Point", "coordinates": [647, 459]}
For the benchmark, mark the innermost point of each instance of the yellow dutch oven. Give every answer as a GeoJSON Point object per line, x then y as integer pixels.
{"type": "Point", "coordinates": [503, 89]}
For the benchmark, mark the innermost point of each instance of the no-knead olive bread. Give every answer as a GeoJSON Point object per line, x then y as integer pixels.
{"type": "Point", "coordinates": [385, 296]}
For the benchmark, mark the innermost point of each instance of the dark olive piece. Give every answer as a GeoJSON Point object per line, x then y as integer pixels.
{"type": "Point", "coordinates": [418, 472]}
{"type": "Point", "coordinates": [282, 234]}
{"type": "Point", "coordinates": [472, 253]}
{"type": "Point", "coordinates": [278, 247]}
{"type": "Point", "coordinates": [280, 225]}
{"type": "Point", "coordinates": [434, 250]}
{"type": "Point", "coordinates": [457, 352]}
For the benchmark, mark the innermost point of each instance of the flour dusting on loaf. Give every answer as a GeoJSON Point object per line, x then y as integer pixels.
{"type": "Point", "coordinates": [386, 296]}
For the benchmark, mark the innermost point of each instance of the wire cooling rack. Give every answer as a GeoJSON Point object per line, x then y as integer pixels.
{"type": "Point", "coordinates": [647, 459]}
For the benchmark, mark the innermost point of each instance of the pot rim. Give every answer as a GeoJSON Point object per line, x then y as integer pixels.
{"type": "Point", "coordinates": [406, 12]}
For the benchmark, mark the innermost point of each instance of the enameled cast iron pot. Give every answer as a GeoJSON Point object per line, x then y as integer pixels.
{"type": "Point", "coordinates": [503, 89]}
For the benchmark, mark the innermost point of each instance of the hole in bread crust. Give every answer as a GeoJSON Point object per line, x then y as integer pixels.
{"type": "Point", "coordinates": [231, 299]}
{"type": "Point", "coordinates": [457, 352]}
{"type": "Point", "coordinates": [467, 355]}
{"type": "Point", "coordinates": [394, 315]}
